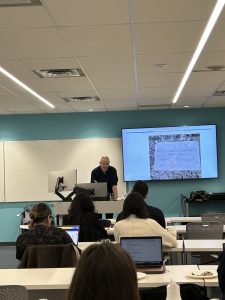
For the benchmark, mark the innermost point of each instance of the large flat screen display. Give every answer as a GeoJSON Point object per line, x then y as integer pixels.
{"type": "Point", "coordinates": [168, 153]}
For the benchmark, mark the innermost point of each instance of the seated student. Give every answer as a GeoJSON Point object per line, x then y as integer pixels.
{"type": "Point", "coordinates": [40, 231]}
{"type": "Point", "coordinates": [136, 222]}
{"type": "Point", "coordinates": [155, 213]}
{"type": "Point", "coordinates": [82, 212]}
{"type": "Point", "coordinates": [104, 271]}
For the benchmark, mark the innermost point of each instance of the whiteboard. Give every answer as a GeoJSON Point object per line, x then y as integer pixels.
{"type": "Point", "coordinates": [27, 164]}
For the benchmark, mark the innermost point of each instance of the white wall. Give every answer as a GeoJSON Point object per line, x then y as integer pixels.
{"type": "Point", "coordinates": [27, 164]}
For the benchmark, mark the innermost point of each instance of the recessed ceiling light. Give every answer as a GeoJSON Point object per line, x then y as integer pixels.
{"type": "Point", "coordinates": [25, 87]}
{"type": "Point", "coordinates": [186, 106]}
{"type": "Point", "coordinates": [208, 29]}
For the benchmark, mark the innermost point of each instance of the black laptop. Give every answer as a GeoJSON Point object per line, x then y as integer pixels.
{"type": "Point", "coordinates": [146, 252]}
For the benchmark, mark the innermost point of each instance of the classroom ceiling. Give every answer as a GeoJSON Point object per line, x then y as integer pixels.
{"type": "Point", "coordinates": [133, 54]}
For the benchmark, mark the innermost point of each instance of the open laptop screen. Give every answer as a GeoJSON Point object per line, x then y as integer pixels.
{"type": "Point", "coordinates": [73, 232]}
{"type": "Point", "coordinates": [145, 251]}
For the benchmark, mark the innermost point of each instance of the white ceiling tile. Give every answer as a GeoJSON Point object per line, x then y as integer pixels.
{"type": "Point", "coordinates": [159, 80]}
{"type": "Point", "coordinates": [113, 82]}
{"type": "Point", "coordinates": [156, 102]}
{"type": "Point", "coordinates": [157, 93]}
{"type": "Point", "coordinates": [191, 101]}
{"type": "Point", "coordinates": [198, 91]}
{"type": "Point", "coordinates": [117, 64]}
{"type": "Point", "coordinates": [121, 104]}
{"type": "Point", "coordinates": [40, 43]}
{"type": "Point", "coordinates": [210, 58]}
{"type": "Point", "coordinates": [216, 101]}
{"type": "Point", "coordinates": [117, 95]}
{"type": "Point", "coordinates": [59, 84]}
{"type": "Point", "coordinates": [99, 40]}
{"type": "Point", "coordinates": [173, 10]}
{"type": "Point", "coordinates": [88, 12]}
{"type": "Point", "coordinates": [51, 63]}
{"type": "Point", "coordinates": [168, 37]}
{"type": "Point", "coordinates": [29, 16]}
{"type": "Point", "coordinates": [17, 68]}
{"type": "Point", "coordinates": [216, 40]}
{"type": "Point", "coordinates": [206, 78]}
{"type": "Point", "coordinates": [175, 62]}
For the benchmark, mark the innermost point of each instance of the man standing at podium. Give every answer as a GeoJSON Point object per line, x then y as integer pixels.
{"type": "Point", "coordinates": [106, 173]}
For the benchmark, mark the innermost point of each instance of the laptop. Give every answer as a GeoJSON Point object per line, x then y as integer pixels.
{"type": "Point", "coordinates": [73, 232]}
{"type": "Point", "coordinates": [146, 252]}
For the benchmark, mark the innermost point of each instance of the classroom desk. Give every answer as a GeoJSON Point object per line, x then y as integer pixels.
{"type": "Point", "coordinates": [189, 246]}
{"type": "Point", "coordinates": [183, 219]}
{"type": "Point", "coordinates": [60, 278]}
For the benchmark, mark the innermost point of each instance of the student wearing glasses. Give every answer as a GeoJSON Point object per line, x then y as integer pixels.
{"type": "Point", "coordinates": [40, 231]}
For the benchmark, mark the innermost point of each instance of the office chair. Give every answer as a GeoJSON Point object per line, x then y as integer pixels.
{"type": "Point", "coordinates": [13, 292]}
{"type": "Point", "coordinates": [205, 231]}
{"type": "Point", "coordinates": [50, 256]}
{"type": "Point", "coordinates": [216, 217]}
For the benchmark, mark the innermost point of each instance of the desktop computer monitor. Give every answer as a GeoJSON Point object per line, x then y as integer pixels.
{"type": "Point", "coordinates": [66, 179]}
{"type": "Point", "coordinates": [97, 190]}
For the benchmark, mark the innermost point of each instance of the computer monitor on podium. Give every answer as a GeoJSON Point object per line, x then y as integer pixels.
{"type": "Point", "coordinates": [98, 190]}
{"type": "Point", "coordinates": [65, 180]}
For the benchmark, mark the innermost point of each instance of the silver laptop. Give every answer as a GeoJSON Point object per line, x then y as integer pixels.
{"type": "Point", "coordinates": [146, 253]}
{"type": "Point", "coordinates": [73, 232]}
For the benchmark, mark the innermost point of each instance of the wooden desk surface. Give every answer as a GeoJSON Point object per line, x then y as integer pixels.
{"type": "Point", "coordinates": [53, 278]}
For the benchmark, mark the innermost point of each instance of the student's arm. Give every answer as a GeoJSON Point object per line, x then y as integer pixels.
{"type": "Point", "coordinates": [167, 239]}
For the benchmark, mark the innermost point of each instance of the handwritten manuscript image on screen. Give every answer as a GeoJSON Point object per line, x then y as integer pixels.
{"type": "Point", "coordinates": [175, 156]}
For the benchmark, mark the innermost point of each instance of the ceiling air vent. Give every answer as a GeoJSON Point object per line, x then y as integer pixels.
{"type": "Point", "coordinates": [81, 99]}
{"type": "Point", "coordinates": [59, 73]}
{"type": "Point", "coordinates": [5, 3]}
{"type": "Point", "coordinates": [219, 93]}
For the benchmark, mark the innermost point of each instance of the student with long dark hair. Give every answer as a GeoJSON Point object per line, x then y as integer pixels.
{"type": "Point", "coordinates": [82, 212]}
{"type": "Point", "coordinates": [154, 213]}
{"type": "Point", "coordinates": [105, 271]}
{"type": "Point", "coordinates": [136, 222]}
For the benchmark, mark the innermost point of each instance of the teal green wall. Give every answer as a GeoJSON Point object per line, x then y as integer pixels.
{"type": "Point", "coordinates": [165, 195]}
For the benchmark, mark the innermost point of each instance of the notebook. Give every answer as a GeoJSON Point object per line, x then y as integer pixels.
{"type": "Point", "coordinates": [73, 232]}
{"type": "Point", "coordinates": [146, 253]}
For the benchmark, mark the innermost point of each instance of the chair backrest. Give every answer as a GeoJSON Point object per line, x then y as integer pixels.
{"type": "Point", "coordinates": [204, 231]}
{"type": "Point", "coordinates": [13, 292]}
{"type": "Point", "coordinates": [50, 256]}
{"type": "Point", "coordinates": [216, 217]}
{"type": "Point", "coordinates": [90, 234]}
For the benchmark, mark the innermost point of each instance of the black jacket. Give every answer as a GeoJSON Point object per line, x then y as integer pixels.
{"type": "Point", "coordinates": [89, 219]}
